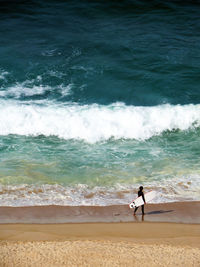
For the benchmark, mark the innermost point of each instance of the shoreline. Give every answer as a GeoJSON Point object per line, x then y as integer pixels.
{"type": "Point", "coordinates": [175, 234]}
{"type": "Point", "coordinates": [146, 232]}
{"type": "Point", "coordinates": [176, 212]}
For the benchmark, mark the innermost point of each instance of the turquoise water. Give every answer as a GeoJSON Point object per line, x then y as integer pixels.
{"type": "Point", "coordinates": [97, 98]}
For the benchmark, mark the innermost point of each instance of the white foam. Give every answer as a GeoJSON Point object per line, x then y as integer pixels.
{"type": "Point", "coordinates": [172, 190]}
{"type": "Point", "coordinates": [94, 123]}
{"type": "Point", "coordinates": [3, 74]}
{"type": "Point", "coordinates": [28, 88]}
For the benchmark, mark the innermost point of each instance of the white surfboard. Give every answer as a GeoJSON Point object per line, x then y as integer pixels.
{"type": "Point", "coordinates": [139, 200]}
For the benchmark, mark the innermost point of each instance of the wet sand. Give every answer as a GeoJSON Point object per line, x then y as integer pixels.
{"type": "Point", "coordinates": [101, 236]}
{"type": "Point", "coordinates": [179, 212]}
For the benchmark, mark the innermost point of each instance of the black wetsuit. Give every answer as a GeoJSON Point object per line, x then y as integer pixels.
{"type": "Point", "coordinates": [140, 193]}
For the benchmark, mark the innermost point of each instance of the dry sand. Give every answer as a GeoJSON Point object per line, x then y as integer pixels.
{"type": "Point", "coordinates": [136, 243]}
{"type": "Point", "coordinates": [96, 253]}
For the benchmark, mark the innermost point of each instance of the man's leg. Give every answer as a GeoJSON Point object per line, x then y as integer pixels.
{"type": "Point", "coordinates": [135, 210]}
{"type": "Point", "coordinates": [142, 207]}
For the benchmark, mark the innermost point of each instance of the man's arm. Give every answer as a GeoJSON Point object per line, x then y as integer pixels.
{"type": "Point", "coordinates": [143, 198]}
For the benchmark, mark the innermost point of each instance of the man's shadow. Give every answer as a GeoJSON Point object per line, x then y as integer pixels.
{"type": "Point", "coordinates": [158, 212]}
{"type": "Point", "coordinates": [151, 213]}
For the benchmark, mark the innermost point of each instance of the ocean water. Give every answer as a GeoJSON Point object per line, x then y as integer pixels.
{"type": "Point", "coordinates": [98, 98]}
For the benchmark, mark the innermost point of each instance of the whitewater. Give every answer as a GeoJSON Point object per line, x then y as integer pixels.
{"type": "Point", "coordinates": [94, 123]}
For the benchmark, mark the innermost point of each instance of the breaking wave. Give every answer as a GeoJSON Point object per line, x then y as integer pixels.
{"type": "Point", "coordinates": [93, 123]}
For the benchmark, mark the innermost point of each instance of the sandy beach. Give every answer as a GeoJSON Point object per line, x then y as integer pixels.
{"type": "Point", "coordinates": [168, 235]}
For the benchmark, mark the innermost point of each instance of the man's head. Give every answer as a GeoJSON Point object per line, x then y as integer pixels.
{"type": "Point", "coordinates": [141, 188]}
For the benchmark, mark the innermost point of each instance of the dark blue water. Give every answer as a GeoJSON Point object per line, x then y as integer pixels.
{"type": "Point", "coordinates": [97, 98]}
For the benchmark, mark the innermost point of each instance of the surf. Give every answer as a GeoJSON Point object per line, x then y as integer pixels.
{"type": "Point", "coordinates": [94, 123]}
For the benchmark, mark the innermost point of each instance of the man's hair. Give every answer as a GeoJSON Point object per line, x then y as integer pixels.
{"type": "Point", "coordinates": [141, 188]}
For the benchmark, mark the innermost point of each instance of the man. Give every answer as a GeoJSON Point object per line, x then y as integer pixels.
{"type": "Point", "coordinates": [140, 193]}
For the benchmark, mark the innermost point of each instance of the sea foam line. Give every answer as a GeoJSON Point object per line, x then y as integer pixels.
{"type": "Point", "coordinates": [184, 188]}
{"type": "Point", "coordinates": [93, 123]}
